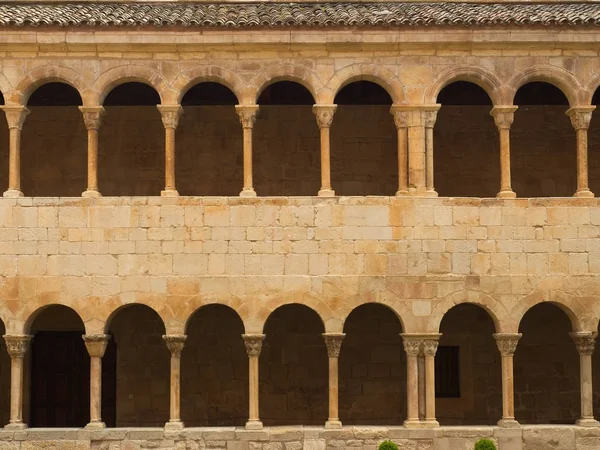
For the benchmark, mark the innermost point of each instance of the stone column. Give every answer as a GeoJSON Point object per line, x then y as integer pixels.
{"type": "Point", "coordinates": [170, 117]}
{"type": "Point", "coordinates": [92, 117]}
{"type": "Point", "coordinates": [430, 345]}
{"type": "Point", "coordinates": [96, 346]}
{"type": "Point", "coordinates": [401, 121]}
{"type": "Point", "coordinates": [412, 347]}
{"type": "Point", "coordinates": [175, 344]}
{"type": "Point", "coordinates": [247, 114]}
{"type": "Point", "coordinates": [416, 153]}
{"type": "Point", "coordinates": [253, 347]}
{"type": "Point", "coordinates": [429, 117]}
{"type": "Point", "coordinates": [504, 116]}
{"type": "Point", "coordinates": [324, 114]}
{"type": "Point", "coordinates": [507, 344]}
{"type": "Point", "coordinates": [585, 342]}
{"type": "Point", "coordinates": [15, 116]}
{"type": "Point", "coordinates": [17, 346]}
{"type": "Point", "coordinates": [580, 119]}
{"type": "Point", "coordinates": [333, 341]}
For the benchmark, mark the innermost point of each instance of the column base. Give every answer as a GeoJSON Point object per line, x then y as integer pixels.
{"type": "Point", "coordinates": [402, 193]}
{"type": "Point", "coordinates": [95, 425]}
{"type": "Point", "coordinates": [584, 193]}
{"type": "Point", "coordinates": [587, 423]}
{"type": "Point", "coordinates": [174, 425]}
{"type": "Point", "coordinates": [254, 425]}
{"type": "Point", "coordinates": [326, 193]}
{"type": "Point", "coordinates": [248, 192]}
{"type": "Point", "coordinates": [430, 423]}
{"type": "Point", "coordinates": [15, 426]}
{"type": "Point", "coordinates": [430, 193]}
{"type": "Point", "coordinates": [333, 424]}
{"type": "Point", "coordinates": [12, 193]}
{"type": "Point", "coordinates": [169, 193]}
{"type": "Point", "coordinates": [91, 193]}
{"type": "Point", "coordinates": [506, 194]}
{"type": "Point", "coordinates": [508, 423]}
{"type": "Point", "coordinates": [413, 423]}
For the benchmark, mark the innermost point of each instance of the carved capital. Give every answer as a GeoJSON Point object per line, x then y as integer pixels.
{"type": "Point", "coordinates": [507, 342]}
{"type": "Point", "coordinates": [15, 116]}
{"type": "Point", "coordinates": [333, 341]}
{"type": "Point", "coordinates": [580, 116]}
{"type": "Point", "coordinates": [92, 116]}
{"type": "Point", "coordinates": [324, 114]}
{"type": "Point", "coordinates": [170, 115]}
{"type": "Point", "coordinates": [247, 114]}
{"type": "Point", "coordinates": [175, 343]}
{"type": "Point", "coordinates": [503, 116]}
{"type": "Point", "coordinates": [412, 345]}
{"type": "Point", "coordinates": [429, 118]}
{"type": "Point", "coordinates": [96, 344]}
{"type": "Point", "coordinates": [401, 116]}
{"type": "Point", "coordinates": [430, 345]}
{"type": "Point", "coordinates": [253, 344]}
{"type": "Point", "coordinates": [17, 345]}
{"type": "Point", "coordinates": [585, 341]}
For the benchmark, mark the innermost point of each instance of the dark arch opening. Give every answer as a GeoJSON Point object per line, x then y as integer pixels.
{"type": "Point", "coordinates": [54, 143]}
{"type": "Point", "coordinates": [468, 369]}
{"type": "Point", "coordinates": [59, 370]}
{"type": "Point", "coordinates": [293, 368]}
{"type": "Point", "coordinates": [546, 368]}
{"type": "Point", "coordinates": [131, 155]}
{"type": "Point", "coordinates": [209, 143]}
{"type": "Point", "coordinates": [214, 369]}
{"type": "Point", "coordinates": [286, 142]}
{"type": "Point", "coordinates": [372, 365]}
{"type": "Point", "coordinates": [594, 147]}
{"type": "Point", "coordinates": [141, 394]}
{"type": "Point", "coordinates": [466, 143]}
{"type": "Point", "coordinates": [363, 142]}
{"type": "Point", "coordinates": [4, 379]}
{"type": "Point", "coordinates": [543, 156]}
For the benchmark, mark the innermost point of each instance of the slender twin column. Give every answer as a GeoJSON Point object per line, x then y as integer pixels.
{"type": "Point", "coordinates": [333, 341]}
{"type": "Point", "coordinates": [247, 114]}
{"type": "Point", "coordinates": [429, 117]}
{"type": "Point", "coordinates": [507, 344]}
{"type": "Point", "coordinates": [96, 346]}
{"type": "Point", "coordinates": [324, 114]}
{"type": "Point", "coordinates": [412, 347]}
{"type": "Point", "coordinates": [175, 344]}
{"type": "Point", "coordinates": [170, 117]}
{"type": "Point", "coordinates": [504, 117]}
{"type": "Point", "coordinates": [15, 116]}
{"type": "Point", "coordinates": [585, 342]}
{"type": "Point", "coordinates": [253, 347]}
{"type": "Point", "coordinates": [92, 117]}
{"type": "Point", "coordinates": [401, 121]}
{"type": "Point", "coordinates": [430, 345]}
{"type": "Point", "coordinates": [580, 119]}
{"type": "Point", "coordinates": [17, 346]}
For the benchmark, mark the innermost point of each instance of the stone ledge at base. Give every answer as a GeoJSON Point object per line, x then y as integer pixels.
{"type": "Point", "coordinates": [530, 437]}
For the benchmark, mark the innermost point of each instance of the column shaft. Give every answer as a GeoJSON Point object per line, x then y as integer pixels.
{"type": "Point", "coordinates": [401, 121]}
{"type": "Point", "coordinates": [92, 117]}
{"type": "Point", "coordinates": [586, 342]}
{"type": "Point", "coordinates": [15, 116]}
{"type": "Point", "coordinates": [247, 115]}
{"type": "Point", "coordinates": [580, 119]}
{"type": "Point", "coordinates": [507, 344]}
{"type": "Point", "coordinates": [416, 155]}
{"type": "Point", "coordinates": [504, 117]}
{"type": "Point", "coordinates": [333, 341]}
{"type": "Point", "coordinates": [96, 346]}
{"type": "Point", "coordinates": [17, 347]}
{"type": "Point", "coordinates": [175, 343]}
{"type": "Point", "coordinates": [324, 115]}
{"type": "Point", "coordinates": [170, 115]}
{"type": "Point", "coordinates": [253, 348]}
{"type": "Point", "coordinates": [429, 118]}
{"type": "Point", "coordinates": [412, 347]}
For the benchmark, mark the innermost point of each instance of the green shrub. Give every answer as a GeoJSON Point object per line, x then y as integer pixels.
{"type": "Point", "coordinates": [485, 444]}
{"type": "Point", "coordinates": [388, 445]}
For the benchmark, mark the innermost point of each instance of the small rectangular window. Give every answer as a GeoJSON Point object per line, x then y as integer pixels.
{"type": "Point", "coordinates": [447, 374]}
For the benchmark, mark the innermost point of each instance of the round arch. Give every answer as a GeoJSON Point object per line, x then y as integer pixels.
{"type": "Point", "coordinates": [535, 299]}
{"type": "Point", "coordinates": [476, 75]}
{"type": "Point", "coordinates": [205, 74]}
{"type": "Point", "coordinates": [378, 304]}
{"type": "Point", "coordinates": [212, 305]}
{"type": "Point", "coordinates": [559, 78]}
{"type": "Point", "coordinates": [108, 320]}
{"type": "Point", "coordinates": [590, 88]}
{"type": "Point", "coordinates": [495, 309]}
{"type": "Point", "coordinates": [262, 312]}
{"type": "Point", "coordinates": [286, 72]}
{"type": "Point", "coordinates": [36, 313]}
{"type": "Point", "coordinates": [5, 88]}
{"type": "Point", "coordinates": [44, 75]}
{"type": "Point", "coordinates": [280, 307]}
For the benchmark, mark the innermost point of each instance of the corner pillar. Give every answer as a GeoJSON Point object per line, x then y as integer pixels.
{"type": "Point", "coordinates": [170, 118]}
{"type": "Point", "coordinates": [92, 117]}
{"type": "Point", "coordinates": [15, 116]}
{"type": "Point", "coordinates": [585, 342]}
{"type": "Point", "coordinates": [333, 341]}
{"type": "Point", "coordinates": [96, 346]}
{"type": "Point", "coordinates": [175, 344]}
{"type": "Point", "coordinates": [504, 117]}
{"type": "Point", "coordinates": [401, 121]}
{"type": "Point", "coordinates": [580, 119]}
{"type": "Point", "coordinates": [324, 114]}
{"type": "Point", "coordinates": [247, 114]}
{"type": "Point", "coordinates": [253, 348]}
{"type": "Point", "coordinates": [507, 344]}
{"type": "Point", "coordinates": [412, 347]}
{"type": "Point", "coordinates": [17, 346]}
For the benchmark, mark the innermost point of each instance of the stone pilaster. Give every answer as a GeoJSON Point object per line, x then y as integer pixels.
{"type": "Point", "coordinates": [96, 346]}
{"type": "Point", "coordinates": [333, 341]}
{"type": "Point", "coordinates": [401, 122]}
{"type": "Point", "coordinates": [253, 344]}
{"type": "Point", "coordinates": [504, 117]}
{"type": "Point", "coordinates": [324, 115]}
{"type": "Point", "coordinates": [15, 116]}
{"type": "Point", "coordinates": [247, 114]}
{"type": "Point", "coordinates": [170, 117]}
{"type": "Point", "coordinates": [507, 344]}
{"type": "Point", "coordinates": [585, 342]}
{"type": "Point", "coordinates": [580, 119]}
{"type": "Point", "coordinates": [175, 343]}
{"type": "Point", "coordinates": [92, 117]}
{"type": "Point", "coordinates": [17, 346]}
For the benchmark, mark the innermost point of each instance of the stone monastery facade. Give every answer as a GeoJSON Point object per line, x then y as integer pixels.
{"type": "Point", "coordinates": [286, 226]}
